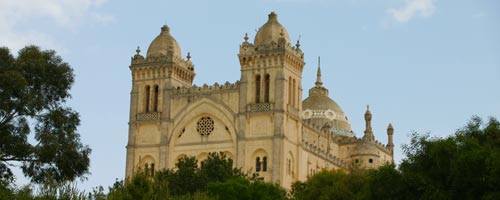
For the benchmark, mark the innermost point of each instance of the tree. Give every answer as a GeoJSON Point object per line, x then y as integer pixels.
{"type": "Point", "coordinates": [388, 183]}
{"type": "Point", "coordinates": [240, 188]}
{"type": "Point", "coordinates": [34, 87]}
{"type": "Point", "coordinates": [186, 179]}
{"type": "Point", "coordinates": [463, 166]}
{"type": "Point", "coordinates": [332, 184]}
{"type": "Point", "coordinates": [218, 168]}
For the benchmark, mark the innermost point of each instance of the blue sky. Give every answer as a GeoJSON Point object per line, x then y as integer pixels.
{"type": "Point", "coordinates": [423, 65]}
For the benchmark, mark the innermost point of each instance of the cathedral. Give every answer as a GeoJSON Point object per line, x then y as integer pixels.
{"type": "Point", "coordinates": [261, 121]}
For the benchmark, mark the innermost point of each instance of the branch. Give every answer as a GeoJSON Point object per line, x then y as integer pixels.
{"type": "Point", "coordinates": [8, 159]}
{"type": "Point", "coordinates": [7, 118]}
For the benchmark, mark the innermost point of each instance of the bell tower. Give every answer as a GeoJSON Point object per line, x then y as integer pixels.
{"type": "Point", "coordinates": [270, 90]}
{"type": "Point", "coordinates": [152, 76]}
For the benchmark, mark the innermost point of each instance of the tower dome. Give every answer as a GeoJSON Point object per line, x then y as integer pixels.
{"type": "Point", "coordinates": [164, 45]}
{"type": "Point", "coordinates": [319, 109]}
{"type": "Point", "coordinates": [271, 31]}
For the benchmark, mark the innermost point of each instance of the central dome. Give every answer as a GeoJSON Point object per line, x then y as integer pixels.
{"type": "Point", "coordinates": [164, 45]}
{"type": "Point", "coordinates": [323, 111]}
{"type": "Point", "coordinates": [271, 31]}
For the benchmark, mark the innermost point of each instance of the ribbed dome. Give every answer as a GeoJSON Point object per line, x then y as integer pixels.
{"type": "Point", "coordinates": [164, 44]}
{"type": "Point", "coordinates": [271, 31]}
{"type": "Point", "coordinates": [321, 110]}
{"type": "Point", "coordinates": [316, 102]}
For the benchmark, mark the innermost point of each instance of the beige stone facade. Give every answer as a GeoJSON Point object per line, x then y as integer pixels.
{"type": "Point", "coordinates": [259, 121]}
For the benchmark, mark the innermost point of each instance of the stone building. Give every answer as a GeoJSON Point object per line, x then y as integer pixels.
{"type": "Point", "coordinates": [259, 121]}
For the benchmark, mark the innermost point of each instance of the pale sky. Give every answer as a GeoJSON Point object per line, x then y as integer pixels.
{"type": "Point", "coordinates": [422, 65]}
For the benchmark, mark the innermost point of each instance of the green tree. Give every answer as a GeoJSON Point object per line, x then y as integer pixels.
{"type": "Point", "coordinates": [34, 87]}
{"type": "Point", "coordinates": [463, 166]}
{"type": "Point", "coordinates": [186, 179]}
{"type": "Point", "coordinates": [218, 168]}
{"type": "Point", "coordinates": [388, 183]}
{"type": "Point", "coordinates": [333, 184]}
{"type": "Point", "coordinates": [240, 188]}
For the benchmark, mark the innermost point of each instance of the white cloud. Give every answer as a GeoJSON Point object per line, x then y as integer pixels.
{"type": "Point", "coordinates": [58, 14]}
{"type": "Point", "coordinates": [412, 8]}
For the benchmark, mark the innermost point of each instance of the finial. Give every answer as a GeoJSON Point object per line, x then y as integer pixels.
{"type": "Point", "coordinates": [165, 28]}
{"type": "Point", "coordinates": [390, 127]}
{"type": "Point", "coordinates": [188, 56]}
{"type": "Point", "coordinates": [298, 43]}
{"type": "Point", "coordinates": [246, 37]}
{"type": "Point", "coordinates": [272, 15]}
{"type": "Point", "coordinates": [367, 107]}
{"type": "Point", "coordinates": [318, 73]}
{"type": "Point", "coordinates": [138, 50]}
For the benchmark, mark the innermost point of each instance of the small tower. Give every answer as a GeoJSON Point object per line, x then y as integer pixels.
{"type": "Point", "coordinates": [390, 144]}
{"type": "Point", "coordinates": [368, 126]}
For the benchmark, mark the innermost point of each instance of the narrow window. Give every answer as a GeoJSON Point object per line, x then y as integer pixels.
{"type": "Point", "coordinates": [289, 166]}
{"type": "Point", "coordinates": [289, 90]}
{"type": "Point", "coordinates": [155, 100]}
{"type": "Point", "coordinates": [152, 169]}
{"type": "Point", "coordinates": [293, 93]}
{"type": "Point", "coordinates": [370, 160]}
{"type": "Point", "coordinates": [257, 89]}
{"type": "Point", "coordinates": [266, 88]}
{"type": "Point", "coordinates": [146, 100]}
{"type": "Point", "coordinates": [264, 164]}
{"type": "Point", "coordinates": [257, 164]}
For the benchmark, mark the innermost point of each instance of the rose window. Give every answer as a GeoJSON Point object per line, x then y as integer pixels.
{"type": "Point", "coordinates": [205, 126]}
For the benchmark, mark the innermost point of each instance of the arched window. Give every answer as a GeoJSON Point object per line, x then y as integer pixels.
{"type": "Point", "coordinates": [148, 163]}
{"type": "Point", "coordinates": [266, 88]}
{"type": "Point", "coordinates": [146, 98]}
{"type": "Point", "coordinates": [257, 164]}
{"type": "Point", "coordinates": [257, 89]}
{"type": "Point", "coordinates": [155, 100]}
{"type": "Point", "coordinates": [260, 156]}
{"type": "Point", "coordinates": [264, 164]}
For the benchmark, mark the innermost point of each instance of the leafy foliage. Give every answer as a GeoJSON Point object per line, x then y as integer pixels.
{"type": "Point", "coordinates": [465, 165]}
{"type": "Point", "coordinates": [33, 89]}
{"type": "Point", "coordinates": [215, 178]}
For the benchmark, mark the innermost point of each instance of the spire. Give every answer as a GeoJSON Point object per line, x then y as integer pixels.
{"type": "Point", "coordinates": [368, 127]}
{"type": "Point", "coordinates": [390, 133]}
{"type": "Point", "coordinates": [318, 74]}
{"type": "Point", "coordinates": [390, 143]}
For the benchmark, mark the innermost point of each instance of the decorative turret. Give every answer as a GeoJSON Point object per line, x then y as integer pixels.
{"type": "Point", "coordinates": [368, 127]}
{"type": "Point", "coordinates": [390, 133]}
